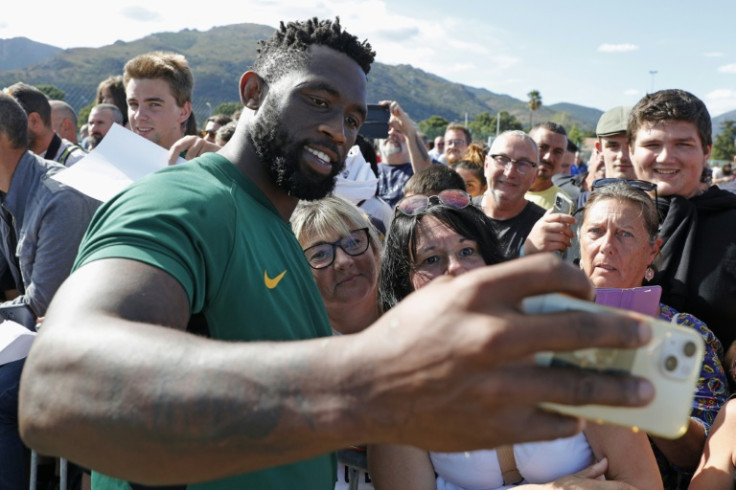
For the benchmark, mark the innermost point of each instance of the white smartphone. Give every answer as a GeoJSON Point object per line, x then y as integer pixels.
{"type": "Point", "coordinates": [563, 204]}
{"type": "Point", "coordinates": [671, 361]}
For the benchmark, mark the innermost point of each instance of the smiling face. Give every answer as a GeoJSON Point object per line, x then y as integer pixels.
{"type": "Point", "coordinates": [670, 154]}
{"type": "Point", "coordinates": [349, 279]}
{"type": "Point", "coordinates": [153, 112]}
{"type": "Point", "coordinates": [507, 183]}
{"type": "Point", "coordinates": [441, 250]}
{"type": "Point", "coordinates": [309, 121]}
{"type": "Point", "coordinates": [615, 248]}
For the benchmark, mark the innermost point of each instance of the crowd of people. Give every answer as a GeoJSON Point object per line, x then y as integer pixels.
{"type": "Point", "coordinates": [295, 288]}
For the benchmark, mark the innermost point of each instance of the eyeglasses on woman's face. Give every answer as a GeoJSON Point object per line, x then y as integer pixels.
{"type": "Point", "coordinates": [322, 255]}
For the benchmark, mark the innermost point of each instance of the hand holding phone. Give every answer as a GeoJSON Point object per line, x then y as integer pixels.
{"type": "Point", "coordinates": [671, 361]}
{"type": "Point", "coordinates": [376, 121]}
{"type": "Point", "coordinates": [563, 204]}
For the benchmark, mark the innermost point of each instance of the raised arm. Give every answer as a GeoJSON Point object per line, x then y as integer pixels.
{"type": "Point", "coordinates": [401, 122]}
{"type": "Point", "coordinates": [114, 384]}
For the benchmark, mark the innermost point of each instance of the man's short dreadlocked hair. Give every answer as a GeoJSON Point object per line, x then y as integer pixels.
{"type": "Point", "coordinates": [287, 48]}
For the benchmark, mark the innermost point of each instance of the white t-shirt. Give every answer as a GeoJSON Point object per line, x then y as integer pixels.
{"type": "Point", "coordinates": [538, 462]}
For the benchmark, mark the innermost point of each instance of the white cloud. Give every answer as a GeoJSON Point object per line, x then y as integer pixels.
{"type": "Point", "coordinates": [721, 93]}
{"type": "Point", "coordinates": [632, 91]}
{"type": "Point", "coordinates": [727, 68]}
{"type": "Point", "coordinates": [720, 101]}
{"type": "Point", "coordinates": [713, 54]}
{"type": "Point", "coordinates": [617, 48]}
{"type": "Point", "coordinates": [433, 45]}
{"type": "Point", "coordinates": [141, 14]}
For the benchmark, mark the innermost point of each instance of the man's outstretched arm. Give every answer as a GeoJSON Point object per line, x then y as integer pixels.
{"type": "Point", "coordinates": [109, 386]}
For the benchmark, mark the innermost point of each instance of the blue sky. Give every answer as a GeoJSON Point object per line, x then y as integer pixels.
{"type": "Point", "coordinates": [583, 52]}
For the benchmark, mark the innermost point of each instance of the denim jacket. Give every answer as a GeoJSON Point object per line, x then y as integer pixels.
{"type": "Point", "coordinates": [49, 220]}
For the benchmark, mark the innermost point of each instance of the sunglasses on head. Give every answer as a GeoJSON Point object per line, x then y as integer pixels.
{"type": "Point", "coordinates": [418, 203]}
{"type": "Point", "coordinates": [636, 184]}
{"type": "Point", "coordinates": [642, 185]}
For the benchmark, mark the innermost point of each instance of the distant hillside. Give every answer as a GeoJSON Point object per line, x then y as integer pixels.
{"type": "Point", "coordinates": [20, 51]}
{"type": "Point", "coordinates": [717, 121]}
{"type": "Point", "coordinates": [578, 112]}
{"type": "Point", "coordinates": [218, 57]}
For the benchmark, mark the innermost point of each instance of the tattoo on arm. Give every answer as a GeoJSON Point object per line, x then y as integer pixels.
{"type": "Point", "coordinates": [422, 148]}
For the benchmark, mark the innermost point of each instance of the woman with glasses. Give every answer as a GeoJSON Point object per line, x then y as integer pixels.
{"type": "Point", "coordinates": [343, 249]}
{"type": "Point", "coordinates": [618, 247]}
{"type": "Point", "coordinates": [444, 235]}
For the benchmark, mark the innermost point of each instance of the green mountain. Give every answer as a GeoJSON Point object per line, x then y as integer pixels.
{"type": "Point", "coordinates": [18, 52]}
{"type": "Point", "coordinates": [220, 55]}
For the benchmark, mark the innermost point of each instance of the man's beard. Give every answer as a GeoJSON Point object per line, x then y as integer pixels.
{"type": "Point", "coordinates": [391, 147]}
{"type": "Point", "coordinates": [94, 140]}
{"type": "Point", "coordinates": [281, 156]}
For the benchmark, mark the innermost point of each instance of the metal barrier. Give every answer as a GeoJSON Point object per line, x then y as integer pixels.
{"type": "Point", "coordinates": [63, 476]}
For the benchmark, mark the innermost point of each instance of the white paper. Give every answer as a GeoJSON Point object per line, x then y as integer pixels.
{"type": "Point", "coordinates": [121, 158]}
{"type": "Point", "coordinates": [15, 341]}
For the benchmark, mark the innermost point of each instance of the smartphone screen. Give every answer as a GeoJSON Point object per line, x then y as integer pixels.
{"type": "Point", "coordinates": [376, 122]}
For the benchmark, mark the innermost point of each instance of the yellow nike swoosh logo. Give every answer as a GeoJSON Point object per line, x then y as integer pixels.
{"type": "Point", "coordinates": [272, 283]}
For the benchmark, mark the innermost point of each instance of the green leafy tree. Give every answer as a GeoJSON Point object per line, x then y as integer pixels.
{"type": "Point", "coordinates": [433, 126]}
{"type": "Point", "coordinates": [723, 146]}
{"type": "Point", "coordinates": [486, 124]}
{"type": "Point", "coordinates": [228, 108]}
{"type": "Point", "coordinates": [577, 135]}
{"type": "Point", "coordinates": [534, 103]}
{"type": "Point", "coordinates": [508, 122]}
{"type": "Point", "coordinates": [83, 114]}
{"type": "Point", "coordinates": [483, 126]}
{"type": "Point", "coordinates": [52, 92]}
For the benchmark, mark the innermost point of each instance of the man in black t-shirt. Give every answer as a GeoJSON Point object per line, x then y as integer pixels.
{"type": "Point", "coordinates": [510, 168]}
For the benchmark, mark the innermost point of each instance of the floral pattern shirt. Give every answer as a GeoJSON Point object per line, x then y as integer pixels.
{"type": "Point", "coordinates": [712, 390]}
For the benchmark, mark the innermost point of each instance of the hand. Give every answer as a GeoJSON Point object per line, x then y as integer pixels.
{"type": "Point", "coordinates": [550, 233]}
{"type": "Point", "coordinates": [193, 145]}
{"type": "Point", "coordinates": [399, 120]}
{"type": "Point", "coordinates": [591, 477]}
{"type": "Point", "coordinates": [454, 370]}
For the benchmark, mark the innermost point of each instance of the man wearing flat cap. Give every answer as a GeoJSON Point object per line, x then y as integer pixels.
{"type": "Point", "coordinates": [613, 142]}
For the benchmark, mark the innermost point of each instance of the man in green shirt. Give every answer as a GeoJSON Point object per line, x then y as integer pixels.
{"type": "Point", "coordinates": [115, 381]}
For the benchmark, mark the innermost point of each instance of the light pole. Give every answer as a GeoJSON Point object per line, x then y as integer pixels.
{"type": "Point", "coordinates": [652, 73]}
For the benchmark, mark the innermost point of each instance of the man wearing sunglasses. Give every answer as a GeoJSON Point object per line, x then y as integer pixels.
{"type": "Point", "coordinates": [212, 124]}
{"type": "Point", "coordinates": [118, 382]}
{"type": "Point", "coordinates": [670, 143]}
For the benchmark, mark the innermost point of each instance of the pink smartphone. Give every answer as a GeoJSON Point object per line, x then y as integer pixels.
{"type": "Point", "coordinates": [644, 299]}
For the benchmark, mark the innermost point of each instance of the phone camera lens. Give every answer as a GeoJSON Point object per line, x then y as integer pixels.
{"type": "Point", "coordinates": [670, 363]}
{"type": "Point", "coordinates": [689, 349]}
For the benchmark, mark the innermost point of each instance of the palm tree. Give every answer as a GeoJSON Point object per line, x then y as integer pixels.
{"type": "Point", "coordinates": [535, 102]}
